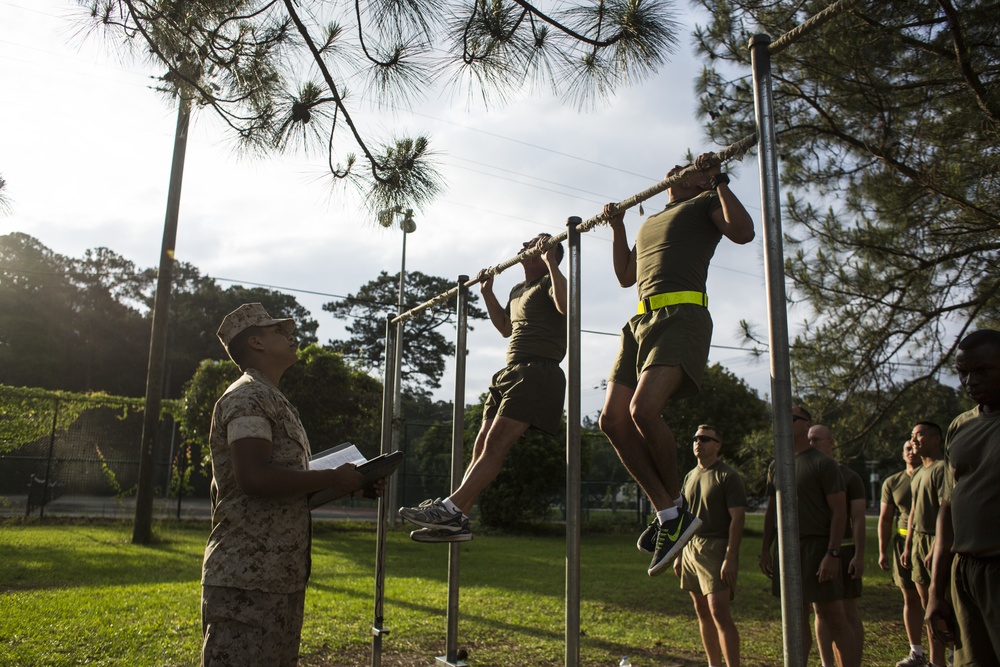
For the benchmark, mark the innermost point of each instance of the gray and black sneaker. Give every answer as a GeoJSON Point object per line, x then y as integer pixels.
{"type": "Point", "coordinates": [434, 515]}
{"type": "Point", "coordinates": [672, 537]}
{"type": "Point", "coordinates": [435, 535]}
{"type": "Point", "coordinates": [647, 540]}
{"type": "Point", "coordinates": [913, 660]}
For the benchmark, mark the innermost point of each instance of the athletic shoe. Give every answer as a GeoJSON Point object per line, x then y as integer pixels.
{"type": "Point", "coordinates": [434, 515]}
{"type": "Point", "coordinates": [913, 660]}
{"type": "Point", "coordinates": [672, 537]}
{"type": "Point", "coordinates": [949, 657]}
{"type": "Point", "coordinates": [433, 535]}
{"type": "Point", "coordinates": [647, 541]}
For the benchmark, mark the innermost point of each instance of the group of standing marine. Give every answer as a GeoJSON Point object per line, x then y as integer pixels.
{"type": "Point", "coordinates": [257, 560]}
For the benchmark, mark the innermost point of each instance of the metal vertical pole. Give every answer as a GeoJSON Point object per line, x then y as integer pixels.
{"type": "Point", "coordinates": [781, 382]}
{"type": "Point", "coordinates": [142, 528]}
{"type": "Point", "coordinates": [397, 405]}
{"type": "Point", "coordinates": [379, 630]}
{"type": "Point", "coordinates": [573, 465]}
{"type": "Point", "coordinates": [457, 468]}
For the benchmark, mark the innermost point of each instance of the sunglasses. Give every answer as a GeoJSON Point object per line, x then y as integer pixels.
{"type": "Point", "coordinates": [799, 418]}
{"type": "Point", "coordinates": [705, 438]}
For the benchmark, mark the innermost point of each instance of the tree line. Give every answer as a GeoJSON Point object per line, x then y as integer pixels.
{"type": "Point", "coordinates": [82, 324]}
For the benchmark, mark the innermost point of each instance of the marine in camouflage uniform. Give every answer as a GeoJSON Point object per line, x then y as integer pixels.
{"type": "Point", "coordinates": [257, 558]}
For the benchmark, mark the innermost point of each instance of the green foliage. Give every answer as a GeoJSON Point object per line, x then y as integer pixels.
{"type": "Point", "coordinates": [335, 403]}
{"type": "Point", "coordinates": [425, 349]}
{"type": "Point", "coordinates": [726, 402]}
{"type": "Point", "coordinates": [28, 414]}
{"type": "Point", "coordinates": [84, 324]}
{"type": "Point", "coordinates": [245, 59]}
{"type": "Point", "coordinates": [532, 480]}
{"type": "Point", "coordinates": [80, 593]}
{"type": "Point", "coordinates": [888, 122]}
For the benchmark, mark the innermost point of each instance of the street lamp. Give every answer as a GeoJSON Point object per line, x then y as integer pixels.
{"type": "Point", "coordinates": [387, 218]}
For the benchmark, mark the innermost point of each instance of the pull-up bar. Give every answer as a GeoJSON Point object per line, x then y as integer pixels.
{"type": "Point", "coordinates": [731, 152]}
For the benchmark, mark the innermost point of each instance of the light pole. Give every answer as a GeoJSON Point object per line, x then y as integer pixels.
{"type": "Point", "coordinates": [408, 226]}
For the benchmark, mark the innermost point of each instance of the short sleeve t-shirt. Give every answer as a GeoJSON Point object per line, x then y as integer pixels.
{"type": "Point", "coordinates": [257, 543]}
{"type": "Point", "coordinates": [972, 482]}
{"type": "Point", "coordinates": [675, 246]}
{"type": "Point", "coordinates": [816, 477]}
{"type": "Point", "coordinates": [927, 487]}
{"type": "Point", "coordinates": [538, 329]}
{"type": "Point", "coordinates": [896, 490]}
{"type": "Point", "coordinates": [710, 493]}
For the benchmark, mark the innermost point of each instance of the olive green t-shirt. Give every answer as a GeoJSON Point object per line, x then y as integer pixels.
{"type": "Point", "coordinates": [896, 490]}
{"type": "Point", "coordinates": [674, 247]}
{"type": "Point", "coordinates": [710, 492]}
{"type": "Point", "coordinates": [927, 487]}
{"type": "Point", "coordinates": [972, 482]}
{"type": "Point", "coordinates": [816, 477]}
{"type": "Point", "coordinates": [538, 329]}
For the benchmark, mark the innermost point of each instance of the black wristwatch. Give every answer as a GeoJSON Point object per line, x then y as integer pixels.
{"type": "Point", "coordinates": [833, 552]}
{"type": "Point", "coordinates": [719, 179]}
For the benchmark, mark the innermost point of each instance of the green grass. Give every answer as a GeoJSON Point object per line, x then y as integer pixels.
{"type": "Point", "coordinates": [80, 594]}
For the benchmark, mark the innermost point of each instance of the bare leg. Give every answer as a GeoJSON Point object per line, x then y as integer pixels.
{"type": "Point", "coordinates": [729, 636]}
{"type": "Point", "coordinates": [840, 631]}
{"type": "Point", "coordinates": [806, 630]}
{"type": "Point", "coordinates": [853, 616]}
{"type": "Point", "coordinates": [824, 642]}
{"type": "Point", "coordinates": [913, 615]}
{"type": "Point", "coordinates": [936, 647]}
{"type": "Point", "coordinates": [656, 385]}
{"type": "Point", "coordinates": [499, 438]}
{"type": "Point", "coordinates": [645, 444]}
{"type": "Point", "coordinates": [709, 635]}
{"type": "Point", "coordinates": [616, 423]}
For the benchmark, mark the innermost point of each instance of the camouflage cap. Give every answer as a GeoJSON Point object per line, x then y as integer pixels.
{"type": "Point", "coordinates": [249, 315]}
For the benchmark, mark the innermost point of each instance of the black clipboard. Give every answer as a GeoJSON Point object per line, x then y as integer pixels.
{"type": "Point", "coordinates": [373, 470]}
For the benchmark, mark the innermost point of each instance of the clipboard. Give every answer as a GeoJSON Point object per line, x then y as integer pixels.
{"type": "Point", "coordinates": [372, 469]}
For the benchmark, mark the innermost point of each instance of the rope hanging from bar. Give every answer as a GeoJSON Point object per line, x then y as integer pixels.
{"type": "Point", "coordinates": [732, 152]}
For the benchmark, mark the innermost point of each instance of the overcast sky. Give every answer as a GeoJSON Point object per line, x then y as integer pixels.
{"type": "Point", "coordinates": [85, 147]}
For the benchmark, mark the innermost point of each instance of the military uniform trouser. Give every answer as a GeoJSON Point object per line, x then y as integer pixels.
{"type": "Point", "coordinates": [243, 628]}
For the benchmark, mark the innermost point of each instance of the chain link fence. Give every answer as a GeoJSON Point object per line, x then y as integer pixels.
{"type": "Point", "coordinates": [67, 454]}
{"type": "Point", "coordinates": [60, 450]}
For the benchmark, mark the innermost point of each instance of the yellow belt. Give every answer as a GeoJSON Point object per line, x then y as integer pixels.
{"type": "Point", "coordinates": [901, 531]}
{"type": "Point", "coordinates": [672, 299]}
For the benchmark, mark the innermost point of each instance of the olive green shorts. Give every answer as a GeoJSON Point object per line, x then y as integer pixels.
{"type": "Point", "coordinates": [921, 546]}
{"type": "Point", "coordinates": [900, 575]}
{"type": "Point", "coordinates": [811, 553]}
{"type": "Point", "coordinates": [244, 628]}
{"type": "Point", "coordinates": [528, 391]}
{"type": "Point", "coordinates": [701, 565]}
{"type": "Point", "coordinates": [673, 336]}
{"type": "Point", "coordinates": [975, 597]}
